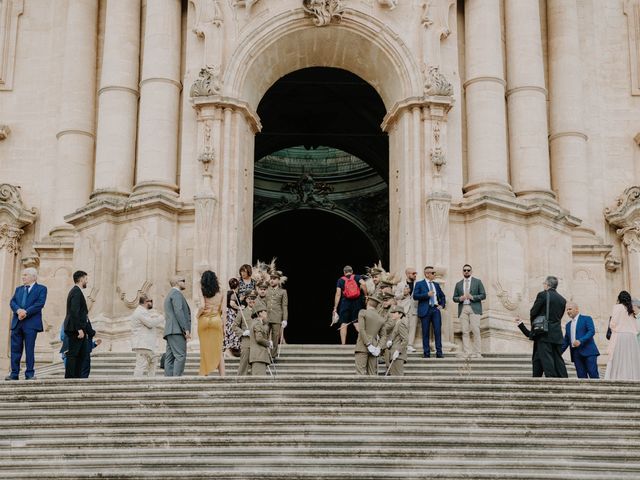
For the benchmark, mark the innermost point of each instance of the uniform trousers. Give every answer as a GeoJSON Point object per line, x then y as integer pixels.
{"type": "Point", "coordinates": [274, 335]}
{"type": "Point", "coordinates": [258, 369]}
{"type": "Point", "coordinates": [366, 364]}
{"type": "Point", "coordinates": [397, 368]}
{"type": "Point", "coordinates": [243, 365]}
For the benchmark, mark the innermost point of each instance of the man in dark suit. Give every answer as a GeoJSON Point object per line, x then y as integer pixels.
{"type": "Point", "coordinates": [468, 294]}
{"type": "Point", "coordinates": [26, 304]}
{"type": "Point", "coordinates": [579, 338]}
{"type": "Point", "coordinates": [547, 346]}
{"type": "Point", "coordinates": [76, 326]}
{"type": "Point", "coordinates": [431, 300]}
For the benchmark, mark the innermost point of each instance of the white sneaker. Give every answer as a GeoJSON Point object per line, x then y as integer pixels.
{"type": "Point", "coordinates": [410, 349]}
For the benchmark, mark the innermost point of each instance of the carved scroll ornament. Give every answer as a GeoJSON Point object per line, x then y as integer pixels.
{"type": "Point", "coordinates": [208, 82]}
{"type": "Point", "coordinates": [324, 11]}
{"type": "Point", "coordinates": [436, 84]}
{"type": "Point", "coordinates": [10, 238]}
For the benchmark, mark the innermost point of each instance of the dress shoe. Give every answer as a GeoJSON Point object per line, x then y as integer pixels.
{"type": "Point", "coordinates": [9, 377]}
{"type": "Point", "coordinates": [440, 356]}
{"type": "Point", "coordinates": [426, 356]}
{"type": "Point", "coordinates": [30, 378]}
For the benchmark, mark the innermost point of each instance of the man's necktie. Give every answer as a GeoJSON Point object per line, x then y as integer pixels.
{"type": "Point", "coordinates": [432, 300]}
{"type": "Point", "coordinates": [23, 300]}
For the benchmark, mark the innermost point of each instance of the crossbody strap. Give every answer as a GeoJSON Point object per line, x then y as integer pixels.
{"type": "Point", "coordinates": [547, 305]}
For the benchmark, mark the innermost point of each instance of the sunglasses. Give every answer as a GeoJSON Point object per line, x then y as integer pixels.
{"type": "Point", "coordinates": [466, 270]}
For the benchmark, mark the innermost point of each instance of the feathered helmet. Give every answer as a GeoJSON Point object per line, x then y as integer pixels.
{"type": "Point", "coordinates": [263, 272]}
{"type": "Point", "coordinates": [388, 279]}
{"type": "Point", "coordinates": [377, 269]}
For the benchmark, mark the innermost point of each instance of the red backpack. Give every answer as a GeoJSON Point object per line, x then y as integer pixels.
{"type": "Point", "coordinates": [351, 288]}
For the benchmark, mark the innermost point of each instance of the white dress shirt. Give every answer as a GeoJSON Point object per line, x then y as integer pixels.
{"type": "Point", "coordinates": [574, 325]}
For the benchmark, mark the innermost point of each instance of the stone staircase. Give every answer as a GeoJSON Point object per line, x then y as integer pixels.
{"type": "Point", "coordinates": [446, 420]}
{"type": "Point", "coordinates": [321, 360]}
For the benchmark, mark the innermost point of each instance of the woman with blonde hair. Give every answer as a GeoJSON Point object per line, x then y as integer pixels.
{"type": "Point", "coordinates": [210, 326]}
{"type": "Point", "coordinates": [624, 351]}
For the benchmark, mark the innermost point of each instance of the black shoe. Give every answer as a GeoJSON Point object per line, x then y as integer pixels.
{"type": "Point", "coordinates": [30, 378]}
{"type": "Point", "coordinates": [440, 356]}
{"type": "Point", "coordinates": [9, 377]}
{"type": "Point", "coordinates": [426, 356]}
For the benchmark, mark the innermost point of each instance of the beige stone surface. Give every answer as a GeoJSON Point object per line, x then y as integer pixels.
{"type": "Point", "coordinates": [530, 106]}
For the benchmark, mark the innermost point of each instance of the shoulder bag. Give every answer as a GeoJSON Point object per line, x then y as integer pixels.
{"type": "Point", "coordinates": [540, 324]}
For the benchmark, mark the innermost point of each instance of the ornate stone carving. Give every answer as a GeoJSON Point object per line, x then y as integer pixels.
{"type": "Point", "coordinates": [4, 131]}
{"type": "Point", "coordinates": [438, 157]}
{"type": "Point", "coordinates": [612, 262]}
{"type": "Point", "coordinates": [10, 11]}
{"type": "Point", "coordinates": [624, 201]}
{"type": "Point", "coordinates": [504, 298]}
{"type": "Point", "coordinates": [245, 3]}
{"type": "Point", "coordinates": [437, 15]}
{"type": "Point", "coordinates": [207, 12]}
{"type": "Point", "coordinates": [208, 155]}
{"type": "Point", "coordinates": [10, 238]}
{"type": "Point", "coordinates": [208, 82]}
{"type": "Point", "coordinates": [10, 195]}
{"type": "Point", "coordinates": [435, 83]}
{"type": "Point", "coordinates": [308, 193]}
{"type": "Point", "coordinates": [133, 303]}
{"type": "Point", "coordinates": [438, 207]}
{"type": "Point", "coordinates": [324, 11]}
{"type": "Point", "coordinates": [631, 236]}
{"type": "Point", "coordinates": [391, 4]}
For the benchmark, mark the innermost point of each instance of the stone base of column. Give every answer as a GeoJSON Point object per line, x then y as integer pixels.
{"type": "Point", "coordinates": [537, 195]}
{"type": "Point", "coordinates": [61, 234]}
{"type": "Point", "coordinates": [155, 186]}
{"type": "Point", "coordinates": [488, 188]}
{"type": "Point", "coordinates": [108, 193]}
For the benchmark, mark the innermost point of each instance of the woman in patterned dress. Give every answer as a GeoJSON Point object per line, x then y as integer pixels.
{"type": "Point", "coordinates": [231, 340]}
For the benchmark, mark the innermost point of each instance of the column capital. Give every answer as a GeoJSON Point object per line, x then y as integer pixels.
{"type": "Point", "coordinates": [437, 106]}
{"type": "Point", "coordinates": [626, 210]}
{"type": "Point", "coordinates": [208, 105]}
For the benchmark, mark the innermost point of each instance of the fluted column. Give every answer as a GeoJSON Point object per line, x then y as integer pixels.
{"type": "Point", "coordinates": [159, 98]}
{"type": "Point", "coordinates": [74, 166]}
{"type": "Point", "coordinates": [527, 101]}
{"type": "Point", "coordinates": [118, 99]}
{"type": "Point", "coordinates": [568, 142]}
{"type": "Point", "coordinates": [487, 168]}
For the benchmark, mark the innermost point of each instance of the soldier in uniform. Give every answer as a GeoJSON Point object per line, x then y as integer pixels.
{"type": "Point", "coordinates": [399, 340]}
{"type": "Point", "coordinates": [388, 301]}
{"type": "Point", "coordinates": [260, 343]}
{"type": "Point", "coordinates": [261, 299]}
{"type": "Point", "coordinates": [277, 310]}
{"type": "Point", "coordinates": [367, 346]}
{"type": "Point", "coordinates": [242, 328]}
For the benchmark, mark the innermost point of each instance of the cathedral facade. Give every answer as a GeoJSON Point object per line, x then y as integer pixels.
{"type": "Point", "coordinates": [145, 138]}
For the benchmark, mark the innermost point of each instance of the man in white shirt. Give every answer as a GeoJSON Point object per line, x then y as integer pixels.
{"type": "Point", "coordinates": [144, 339]}
{"type": "Point", "coordinates": [468, 294]}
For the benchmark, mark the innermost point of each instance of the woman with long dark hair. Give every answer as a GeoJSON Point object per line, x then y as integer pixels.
{"type": "Point", "coordinates": [624, 352]}
{"type": "Point", "coordinates": [210, 328]}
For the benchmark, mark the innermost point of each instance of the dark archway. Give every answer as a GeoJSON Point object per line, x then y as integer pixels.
{"type": "Point", "coordinates": [312, 110]}
{"type": "Point", "coordinates": [311, 247]}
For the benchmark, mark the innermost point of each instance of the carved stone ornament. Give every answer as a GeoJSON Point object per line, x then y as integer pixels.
{"type": "Point", "coordinates": [10, 238]}
{"type": "Point", "coordinates": [245, 3]}
{"type": "Point", "coordinates": [208, 82]}
{"type": "Point", "coordinates": [436, 84]}
{"type": "Point", "coordinates": [133, 303]}
{"type": "Point", "coordinates": [391, 4]}
{"type": "Point", "coordinates": [504, 298]}
{"type": "Point", "coordinates": [4, 131]}
{"type": "Point", "coordinates": [612, 262]}
{"type": "Point", "coordinates": [628, 199]}
{"type": "Point", "coordinates": [208, 154]}
{"type": "Point", "coordinates": [324, 11]}
{"type": "Point", "coordinates": [631, 237]}
{"type": "Point", "coordinates": [307, 193]}
{"type": "Point", "coordinates": [207, 12]}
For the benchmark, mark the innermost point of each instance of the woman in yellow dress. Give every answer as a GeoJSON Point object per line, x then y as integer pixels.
{"type": "Point", "coordinates": [210, 326]}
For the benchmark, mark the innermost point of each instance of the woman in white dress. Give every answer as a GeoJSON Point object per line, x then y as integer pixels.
{"type": "Point", "coordinates": [624, 351]}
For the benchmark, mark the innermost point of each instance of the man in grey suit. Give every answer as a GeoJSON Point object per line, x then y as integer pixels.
{"type": "Point", "coordinates": [468, 294]}
{"type": "Point", "coordinates": [177, 328]}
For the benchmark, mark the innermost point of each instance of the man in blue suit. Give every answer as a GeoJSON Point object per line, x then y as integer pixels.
{"type": "Point", "coordinates": [26, 304]}
{"type": "Point", "coordinates": [431, 300]}
{"type": "Point", "coordinates": [578, 337]}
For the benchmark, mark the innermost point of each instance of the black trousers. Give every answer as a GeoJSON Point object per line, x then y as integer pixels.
{"type": "Point", "coordinates": [547, 360]}
{"type": "Point", "coordinates": [76, 357]}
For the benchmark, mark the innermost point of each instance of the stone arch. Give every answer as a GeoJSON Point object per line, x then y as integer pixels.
{"type": "Point", "coordinates": [287, 42]}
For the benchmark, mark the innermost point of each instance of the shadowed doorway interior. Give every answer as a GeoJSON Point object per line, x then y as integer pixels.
{"type": "Point", "coordinates": [321, 197]}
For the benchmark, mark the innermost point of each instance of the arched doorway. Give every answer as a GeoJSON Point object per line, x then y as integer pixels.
{"type": "Point", "coordinates": [312, 258]}
{"type": "Point", "coordinates": [321, 183]}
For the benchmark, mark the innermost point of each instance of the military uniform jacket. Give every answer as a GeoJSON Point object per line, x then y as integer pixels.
{"type": "Point", "coordinates": [259, 349]}
{"type": "Point", "coordinates": [400, 338]}
{"type": "Point", "coordinates": [241, 324]}
{"type": "Point", "coordinates": [371, 324]}
{"type": "Point", "coordinates": [387, 328]}
{"type": "Point", "coordinates": [277, 305]}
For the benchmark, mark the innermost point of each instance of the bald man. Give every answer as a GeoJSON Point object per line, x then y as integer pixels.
{"type": "Point", "coordinates": [177, 328]}
{"type": "Point", "coordinates": [578, 337]}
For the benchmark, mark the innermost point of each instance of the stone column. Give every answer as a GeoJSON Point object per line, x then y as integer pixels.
{"type": "Point", "coordinates": [118, 100]}
{"type": "Point", "coordinates": [568, 142]}
{"type": "Point", "coordinates": [159, 98]}
{"type": "Point", "coordinates": [13, 217]}
{"type": "Point", "coordinates": [527, 101]}
{"type": "Point", "coordinates": [74, 166]}
{"type": "Point", "coordinates": [224, 212]}
{"type": "Point", "coordinates": [487, 165]}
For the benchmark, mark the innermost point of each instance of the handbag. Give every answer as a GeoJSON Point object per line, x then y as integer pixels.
{"type": "Point", "coordinates": [609, 330]}
{"type": "Point", "coordinates": [540, 324]}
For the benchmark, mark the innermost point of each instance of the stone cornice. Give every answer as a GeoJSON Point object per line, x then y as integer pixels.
{"type": "Point", "coordinates": [548, 210]}
{"type": "Point", "coordinates": [443, 103]}
{"type": "Point", "coordinates": [117, 208]}
{"type": "Point", "coordinates": [219, 101]}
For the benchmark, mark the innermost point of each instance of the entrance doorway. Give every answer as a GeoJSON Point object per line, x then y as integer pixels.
{"type": "Point", "coordinates": [321, 196]}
